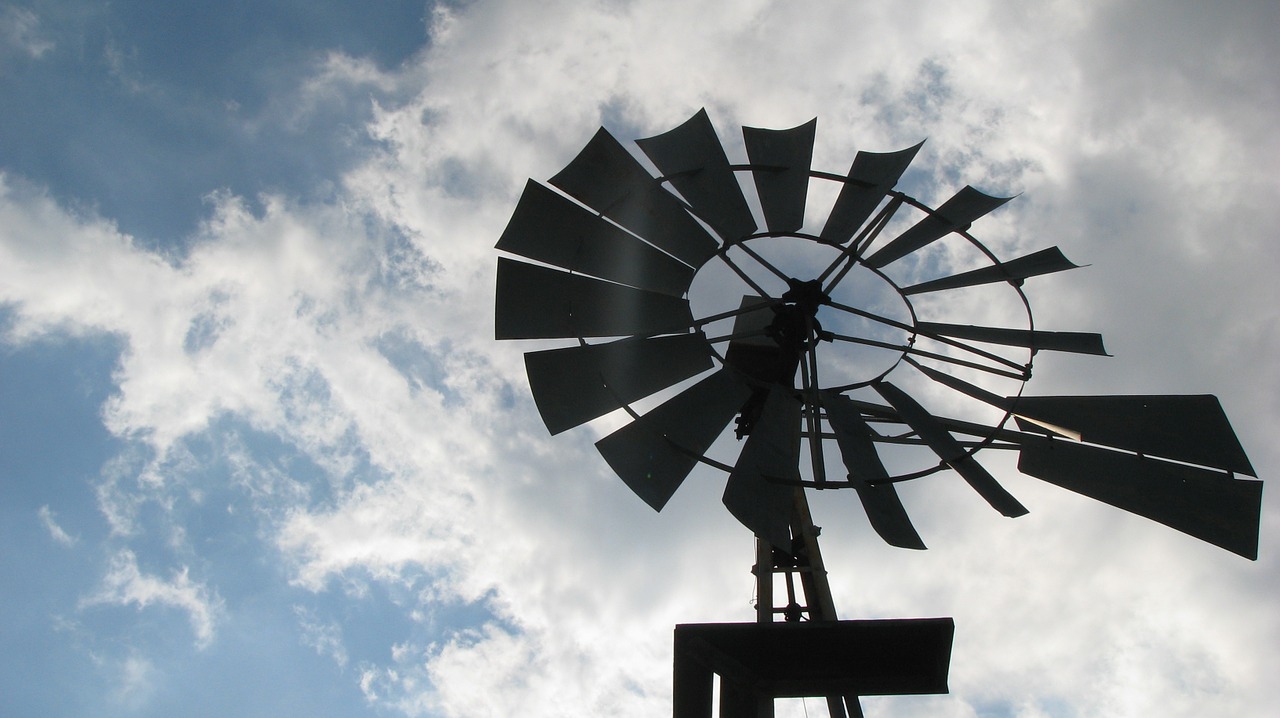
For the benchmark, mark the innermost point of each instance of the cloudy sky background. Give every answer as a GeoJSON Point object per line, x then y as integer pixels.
{"type": "Point", "coordinates": [259, 454]}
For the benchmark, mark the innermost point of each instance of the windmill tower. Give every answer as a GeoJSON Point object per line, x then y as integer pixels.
{"type": "Point", "coordinates": [793, 361]}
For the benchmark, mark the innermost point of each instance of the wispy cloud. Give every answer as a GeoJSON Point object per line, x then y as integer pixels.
{"type": "Point", "coordinates": [51, 525]}
{"type": "Point", "coordinates": [20, 35]}
{"type": "Point", "coordinates": [135, 681]}
{"type": "Point", "coordinates": [125, 584]}
{"type": "Point", "coordinates": [322, 636]}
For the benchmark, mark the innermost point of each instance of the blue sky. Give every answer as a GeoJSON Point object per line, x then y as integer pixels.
{"type": "Point", "coordinates": [260, 455]}
{"type": "Point", "coordinates": [194, 97]}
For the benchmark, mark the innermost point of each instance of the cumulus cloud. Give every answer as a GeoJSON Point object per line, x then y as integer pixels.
{"type": "Point", "coordinates": [359, 333]}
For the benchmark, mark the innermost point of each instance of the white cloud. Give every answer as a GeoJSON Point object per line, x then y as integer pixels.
{"type": "Point", "coordinates": [135, 681]}
{"type": "Point", "coordinates": [20, 35]}
{"type": "Point", "coordinates": [56, 532]}
{"type": "Point", "coordinates": [324, 637]}
{"type": "Point", "coordinates": [1137, 150]}
{"type": "Point", "coordinates": [125, 584]}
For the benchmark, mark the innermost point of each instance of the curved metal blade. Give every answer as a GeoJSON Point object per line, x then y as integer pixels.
{"type": "Point", "coordinates": [1006, 403]}
{"type": "Point", "coordinates": [574, 385]}
{"type": "Point", "coordinates": [550, 228]}
{"type": "Point", "coordinates": [1078, 342]}
{"type": "Point", "coordinates": [857, 448]}
{"type": "Point", "coordinates": [781, 160]}
{"type": "Point", "coordinates": [539, 303]}
{"type": "Point", "coordinates": [956, 213]}
{"type": "Point", "coordinates": [932, 432]}
{"type": "Point", "coordinates": [608, 179]}
{"type": "Point", "coordinates": [1193, 429]}
{"type": "Point", "coordinates": [963, 386]}
{"type": "Point", "coordinates": [772, 451]}
{"type": "Point", "coordinates": [1046, 261]}
{"type": "Point", "coordinates": [693, 160]}
{"type": "Point", "coordinates": [655, 453]}
{"type": "Point", "coordinates": [1205, 504]}
{"type": "Point", "coordinates": [872, 176]}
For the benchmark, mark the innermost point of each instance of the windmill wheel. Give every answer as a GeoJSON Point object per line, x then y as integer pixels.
{"type": "Point", "coordinates": [801, 344]}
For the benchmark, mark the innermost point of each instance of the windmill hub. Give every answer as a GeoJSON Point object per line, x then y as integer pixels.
{"type": "Point", "coordinates": [806, 313]}
{"type": "Point", "coordinates": [806, 296]}
{"type": "Point", "coordinates": [795, 323]}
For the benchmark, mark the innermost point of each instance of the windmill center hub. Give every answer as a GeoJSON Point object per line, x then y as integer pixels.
{"type": "Point", "coordinates": [853, 319]}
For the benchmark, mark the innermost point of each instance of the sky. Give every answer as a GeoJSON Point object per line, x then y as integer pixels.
{"type": "Point", "coordinates": [260, 453]}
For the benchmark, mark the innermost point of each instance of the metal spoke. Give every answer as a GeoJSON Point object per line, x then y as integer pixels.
{"type": "Point", "coordinates": [908, 349]}
{"type": "Point", "coordinates": [873, 317]}
{"type": "Point", "coordinates": [936, 337]}
{"type": "Point", "coordinates": [859, 244]}
{"type": "Point", "coordinates": [763, 262]}
{"type": "Point", "coordinates": [724, 256]}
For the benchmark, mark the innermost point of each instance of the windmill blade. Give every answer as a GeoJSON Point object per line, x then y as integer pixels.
{"type": "Point", "coordinates": [956, 213]}
{"type": "Point", "coordinates": [539, 303]}
{"type": "Point", "coordinates": [772, 451]}
{"type": "Point", "coordinates": [781, 160]}
{"type": "Point", "coordinates": [1208, 505]}
{"type": "Point", "coordinates": [872, 176]}
{"type": "Point", "coordinates": [1000, 402]}
{"type": "Point", "coordinates": [574, 385]}
{"type": "Point", "coordinates": [962, 386]}
{"type": "Point", "coordinates": [1077, 342]}
{"type": "Point", "coordinates": [550, 228]}
{"type": "Point", "coordinates": [1193, 429]}
{"type": "Point", "coordinates": [932, 432]}
{"type": "Point", "coordinates": [654, 453]}
{"type": "Point", "coordinates": [1046, 261]}
{"type": "Point", "coordinates": [693, 160]}
{"type": "Point", "coordinates": [857, 448]}
{"type": "Point", "coordinates": [608, 179]}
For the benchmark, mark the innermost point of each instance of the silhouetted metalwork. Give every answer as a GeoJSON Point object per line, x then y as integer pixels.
{"type": "Point", "coordinates": [613, 256]}
{"type": "Point", "coordinates": [759, 662]}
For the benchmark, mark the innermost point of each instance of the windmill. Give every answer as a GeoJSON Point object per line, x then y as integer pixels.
{"type": "Point", "coordinates": [790, 359]}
